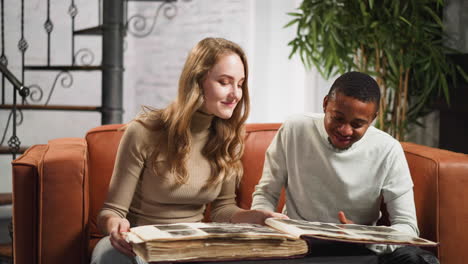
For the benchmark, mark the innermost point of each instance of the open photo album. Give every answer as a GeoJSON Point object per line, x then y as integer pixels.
{"type": "Point", "coordinates": [212, 241]}
{"type": "Point", "coordinates": [281, 238]}
{"type": "Point", "coordinates": [352, 233]}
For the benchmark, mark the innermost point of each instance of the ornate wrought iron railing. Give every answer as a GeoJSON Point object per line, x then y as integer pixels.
{"type": "Point", "coordinates": [138, 26]}
{"type": "Point", "coordinates": [114, 23]}
{"type": "Point", "coordinates": [14, 143]}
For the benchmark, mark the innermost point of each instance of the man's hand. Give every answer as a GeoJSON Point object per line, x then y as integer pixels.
{"type": "Point", "coordinates": [343, 219]}
{"type": "Point", "coordinates": [116, 238]}
{"type": "Point", "coordinates": [255, 216]}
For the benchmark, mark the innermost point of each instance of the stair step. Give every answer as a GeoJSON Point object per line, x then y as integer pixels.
{"type": "Point", "coordinates": [6, 252]}
{"type": "Point", "coordinates": [6, 150]}
{"type": "Point", "coordinates": [6, 198]}
{"type": "Point", "coordinates": [53, 107]}
{"type": "Point", "coordinates": [94, 31]}
{"type": "Point", "coordinates": [61, 68]}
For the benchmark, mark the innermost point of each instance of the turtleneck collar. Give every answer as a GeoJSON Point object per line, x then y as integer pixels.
{"type": "Point", "coordinates": [200, 122]}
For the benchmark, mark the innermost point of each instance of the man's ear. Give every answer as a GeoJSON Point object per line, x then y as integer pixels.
{"type": "Point", "coordinates": [325, 102]}
{"type": "Point", "coordinates": [375, 116]}
{"type": "Point", "coordinates": [376, 112]}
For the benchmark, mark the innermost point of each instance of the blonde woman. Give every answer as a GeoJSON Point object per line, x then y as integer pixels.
{"type": "Point", "coordinates": [172, 162]}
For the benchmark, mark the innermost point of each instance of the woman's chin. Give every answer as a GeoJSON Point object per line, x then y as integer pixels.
{"type": "Point", "coordinates": [224, 114]}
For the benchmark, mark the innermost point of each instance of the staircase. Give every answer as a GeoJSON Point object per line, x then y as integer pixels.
{"type": "Point", "coordinates": [112, 32]}
{"type": "Point", "coordinates": [113, 27]}
{"type": "Point", "coordinates": [19, 95]}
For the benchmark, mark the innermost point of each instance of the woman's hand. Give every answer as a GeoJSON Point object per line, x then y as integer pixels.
{"type": "Point", "coordinates": [255, 216]}
{"type": "Point", "coordinates": [117, 226]}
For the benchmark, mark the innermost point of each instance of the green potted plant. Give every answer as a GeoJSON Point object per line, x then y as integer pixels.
{"type": "Point", "coordinates": [400, 43]}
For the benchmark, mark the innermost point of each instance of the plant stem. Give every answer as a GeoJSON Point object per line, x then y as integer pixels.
{"type": "Point", "coordinates": [357, 61]}
{"type": "Point", "coordinates": [383, 96]}
{"type": "Point", "coordinates": [404, 104]}
{"type": "Point", "coordinates": [379, 82]}
{"type": "Point", "coordinates": [396, 105]}
{"type": "Point", "coordinates": [364, 59]}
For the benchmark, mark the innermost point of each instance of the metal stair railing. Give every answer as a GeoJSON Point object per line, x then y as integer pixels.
{"type": "Point", "coordinates": [14, 142]}
{"type": "Point", "coordinates": [114, 23]}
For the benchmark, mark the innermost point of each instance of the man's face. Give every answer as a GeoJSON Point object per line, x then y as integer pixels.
{"type": "Point", "coordinates": [347, 119]}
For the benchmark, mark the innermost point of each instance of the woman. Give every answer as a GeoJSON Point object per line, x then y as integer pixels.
{"type": "Point", "coordinates": [172, 162]}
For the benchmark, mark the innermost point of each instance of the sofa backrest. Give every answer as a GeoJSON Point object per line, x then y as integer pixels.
{"type": "Point", "coordinates": [424, 173]}
{"type": "Point", "coordinates": [258, 138]}
{"type": "Point", "coordinates": [440, 178]}
{"type": "Point", "coordinates": [103, 143]}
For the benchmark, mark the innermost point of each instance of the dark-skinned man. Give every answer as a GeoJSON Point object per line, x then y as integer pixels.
{"type": "Point", "coordinates": [336, 167]}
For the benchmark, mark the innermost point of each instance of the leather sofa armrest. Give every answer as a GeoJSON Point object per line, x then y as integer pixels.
{"type": "Point", "coordinates": [440, 186]}
{"type": "Point", "coordinates": [50, 197]}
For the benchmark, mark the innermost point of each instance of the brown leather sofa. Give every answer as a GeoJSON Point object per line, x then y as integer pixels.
{"type": "Point", "coordinates": [59, 188]}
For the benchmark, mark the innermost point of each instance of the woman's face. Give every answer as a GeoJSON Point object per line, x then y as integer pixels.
{"type": "Point", "coordinates": [222, 86]}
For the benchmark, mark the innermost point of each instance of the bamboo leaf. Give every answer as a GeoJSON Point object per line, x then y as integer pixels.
{"type": "Point", "coordinates": [462, 73]}
{"type": "Point", "coordinates": [293, 51]}
{"type": "Point", "coordinates": [362, 6]}
{"type": "Point", "coordinates": [292, 22]}
{"type": "Point", "coordinates": [405, 20]}
{"type": "Point", "coordinates": [445, 88]}
{"type": "Point", "coordinates": [434, 16]}
{"type": "Point", "coordinates": [295, 14]}
{"type": "Point", "coordinates": [336, 38]}
{"type": "Point", "coordinates": [426, 66]}
{"type": "Point", "coordinates": [391, 61]}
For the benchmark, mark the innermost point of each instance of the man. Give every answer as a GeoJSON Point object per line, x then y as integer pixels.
{"type": "Point", "coordinates": [336, 167]}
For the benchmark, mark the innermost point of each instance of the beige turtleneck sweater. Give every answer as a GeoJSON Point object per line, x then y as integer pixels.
{"type": "Point", "coordinates": [141, 196]}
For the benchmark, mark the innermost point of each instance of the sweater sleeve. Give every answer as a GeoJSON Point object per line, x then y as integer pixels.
{"type": "Point", "coordinates": [129, 164]}
{"type": "Point", "coordinates": [398, 193]}
{"type": "Point", "coordinates": [268, 190]}
{"type": "Point", "coordinates": [398, 197]}
{"type": "Point", "coordinates": [225, 206]}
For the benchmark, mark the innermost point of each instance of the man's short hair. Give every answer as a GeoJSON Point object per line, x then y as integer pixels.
{"type": "Point", "coordinates": [357, 85]}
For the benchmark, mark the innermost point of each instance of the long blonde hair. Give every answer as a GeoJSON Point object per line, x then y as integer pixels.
{"type": "Point", "coordinates": [225, 143]}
